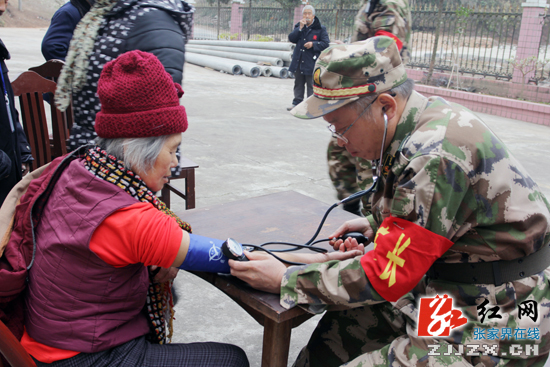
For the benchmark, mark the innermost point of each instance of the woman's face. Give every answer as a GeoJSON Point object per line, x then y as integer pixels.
{"type": "Point", "coordinates": [160, 173]}
{"type": "Point", "coordinates": [3, 5]}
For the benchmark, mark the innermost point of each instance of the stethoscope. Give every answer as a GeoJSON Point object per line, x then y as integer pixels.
{"type": "Point", "coordinates": [235, 250]}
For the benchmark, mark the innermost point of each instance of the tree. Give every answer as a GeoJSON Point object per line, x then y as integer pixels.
{"type": "Point", "coordinates": [436, 41]}
{"type": "Point", "coordinates": [462, 15]}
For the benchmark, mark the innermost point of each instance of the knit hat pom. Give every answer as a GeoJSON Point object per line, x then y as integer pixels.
{"type": "Point", "coordinates": [138, 99]}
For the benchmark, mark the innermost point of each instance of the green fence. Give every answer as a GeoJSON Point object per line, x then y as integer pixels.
{"type": "Point", "coordinates": [478, 41]}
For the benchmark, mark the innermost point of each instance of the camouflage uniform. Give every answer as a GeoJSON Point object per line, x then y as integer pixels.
{"type": "Point", "coordinates": [393, 16]}
{"type": "Point", "coordinates": [455, 178]}
{"type": "Point", "coordinates": [349, 174]}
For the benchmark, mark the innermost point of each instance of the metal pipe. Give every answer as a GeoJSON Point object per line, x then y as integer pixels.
{"type": "Point", "coordinates": [216, 63]}
{"type": "Point", "coordinates": [279, 72]}
{"type": "Point", "coordinates": [278, 46]}
{"type": "Point", "coordinates": [236, 55]}
{"type": "Point", "coordinates": [284, 55]}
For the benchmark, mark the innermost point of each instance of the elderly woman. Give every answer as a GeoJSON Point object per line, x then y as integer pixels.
{"type": "Point", "coordinates": [109, 29]}
{"type": "Point", "coordinates": [97, 226]}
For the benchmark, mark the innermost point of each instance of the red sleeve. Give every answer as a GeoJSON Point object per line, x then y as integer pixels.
{"type": "Point", "coordinates": [391, 35]}
{"type": "Point", "coordinates": [139, 233]}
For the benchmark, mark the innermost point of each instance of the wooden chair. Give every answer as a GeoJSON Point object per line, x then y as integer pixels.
{"type": "Point", "coordinates": [29, 87]}
{"type": "Point", "coordinates": [51, 69]}
{"type": "Point", "coordinates": [187, 167]}
{"type": "Point", "coordinates": [12, 350]}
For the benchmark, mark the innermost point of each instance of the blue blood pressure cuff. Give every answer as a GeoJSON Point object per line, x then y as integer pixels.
{"type": "Point", "coordinates": [205, 254]}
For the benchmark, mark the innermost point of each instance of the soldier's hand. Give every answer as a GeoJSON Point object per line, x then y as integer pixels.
{"type": "Point", "coordinates": [261, 272]}
{"type": "Point", "coordinates": [308, 45]}
{"type": "Point", "coordinates": [361, 225]}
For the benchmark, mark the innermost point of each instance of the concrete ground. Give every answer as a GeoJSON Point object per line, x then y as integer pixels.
{"type": "Point", "coordinates": [247, 145]}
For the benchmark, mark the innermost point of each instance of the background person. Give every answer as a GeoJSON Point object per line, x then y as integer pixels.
{"type": "Point", "coordinates": [453, 213]}
{"type": "Point", "coordinates": [55, 43]}
{"type": "Point", "coordinates": [349, 174]}
{"type": "Point", "coordinates": [97, 225]}
{"type": "Point", "coordinates": [15, 153]}
{"type": "Point", "coordinates": [310, 38]}
{"type": "Point", "coordinates": [110, 28]}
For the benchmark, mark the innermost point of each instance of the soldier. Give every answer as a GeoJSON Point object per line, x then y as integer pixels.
{"type": "Point", "coordinates": [454, 215]}
{"type": "Point", "coordinates": [390, 18]}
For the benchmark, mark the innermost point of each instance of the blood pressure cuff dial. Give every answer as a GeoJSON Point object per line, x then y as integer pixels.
{"type": "Point", "coordinates": [403, 253]}
{"type": "Point", "coordinates": [205, 254]}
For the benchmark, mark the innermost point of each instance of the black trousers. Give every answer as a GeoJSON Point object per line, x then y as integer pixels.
{"type": "Point", "coordinates": [141, 353]}
{"type": "Point", "coordinates": [300, 83]}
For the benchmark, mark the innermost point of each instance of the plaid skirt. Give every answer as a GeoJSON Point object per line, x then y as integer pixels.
{"type": "Point", "coordinates": [139, 352]}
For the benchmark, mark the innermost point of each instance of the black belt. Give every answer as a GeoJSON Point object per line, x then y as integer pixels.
{"type": "Point", "coordinates": [493, 272]}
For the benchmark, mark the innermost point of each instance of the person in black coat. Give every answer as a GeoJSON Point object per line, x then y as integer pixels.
{"type": "Point", "coordinates": [160, 27]}
{"type": "Point", "coordinates": [15, 152]}
{"type": "Point", "coordinates": [310, 38]}
{"type": "Point", "coordinates": [55, 43]}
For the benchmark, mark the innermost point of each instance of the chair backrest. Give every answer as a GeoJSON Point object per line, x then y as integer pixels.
{"type": "Point", "coordinates": [12, 350]}
{"type": "Point", "coordinates": [51, 69]}
{"type": "Point", "coordinates": [29, 87]}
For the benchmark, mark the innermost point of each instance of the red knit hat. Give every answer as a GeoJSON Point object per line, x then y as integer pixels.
{"type": "Point", "coordinates": [138, 99]}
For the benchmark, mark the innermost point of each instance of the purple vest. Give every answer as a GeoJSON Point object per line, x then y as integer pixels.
{"type": "Point", "coordinates": [75, 300]}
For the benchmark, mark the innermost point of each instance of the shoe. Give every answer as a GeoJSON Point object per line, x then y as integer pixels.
{"type": "Point", "coordinates": [290, 107]}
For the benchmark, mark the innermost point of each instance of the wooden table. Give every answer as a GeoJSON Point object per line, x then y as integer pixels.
{"type": "Point", "coordinates": [285, 216]}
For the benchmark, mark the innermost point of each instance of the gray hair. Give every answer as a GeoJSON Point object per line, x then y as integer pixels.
{"type": "Point", "coordinates": [310, 8]}
{"type": "Point", "coordinates": [136, 153]}
{"type": "Point", "coordinates": [404, 91]}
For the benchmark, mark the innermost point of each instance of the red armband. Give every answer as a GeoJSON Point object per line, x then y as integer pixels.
{"type": "Point", "coordinates": [391, 35]}
{"type": "Point", "coordinates": [403, 253]}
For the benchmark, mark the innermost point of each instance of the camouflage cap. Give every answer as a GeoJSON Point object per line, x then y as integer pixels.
{"type": "Point", "coordinates": [345, 72]}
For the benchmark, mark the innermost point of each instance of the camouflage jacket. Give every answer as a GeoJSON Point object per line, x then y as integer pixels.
{"type": "Point", "coordinates": [392, 16]}
{"type": "Point", "coordinates": [455, 178]}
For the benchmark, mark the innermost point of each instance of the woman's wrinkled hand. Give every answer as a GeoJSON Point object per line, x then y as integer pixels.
{"type": "Point", "coordinates": [261, 272]}
{"type": "Point", "coordinates": [361, 225]}
{"type": "Point", "coordinates": [339, 255]}
{"type": "Point", "coordinates": [164, 275]}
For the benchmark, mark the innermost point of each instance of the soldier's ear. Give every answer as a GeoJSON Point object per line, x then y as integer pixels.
{"type": "Point", "coordinates": [388, 105]}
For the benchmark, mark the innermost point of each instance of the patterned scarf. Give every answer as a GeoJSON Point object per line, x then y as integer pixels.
{"type": "Point", "coordinates": [73, 74]}
{"type": "Point", "coordinates": [160, 305]}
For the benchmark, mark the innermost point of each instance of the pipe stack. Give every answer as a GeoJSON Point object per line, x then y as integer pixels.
{"type": "Point", "coordinates": [242, 57]}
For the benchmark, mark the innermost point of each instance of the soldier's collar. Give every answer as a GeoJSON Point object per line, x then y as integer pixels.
{"type": "Point", "coordinates": [406, 125]}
